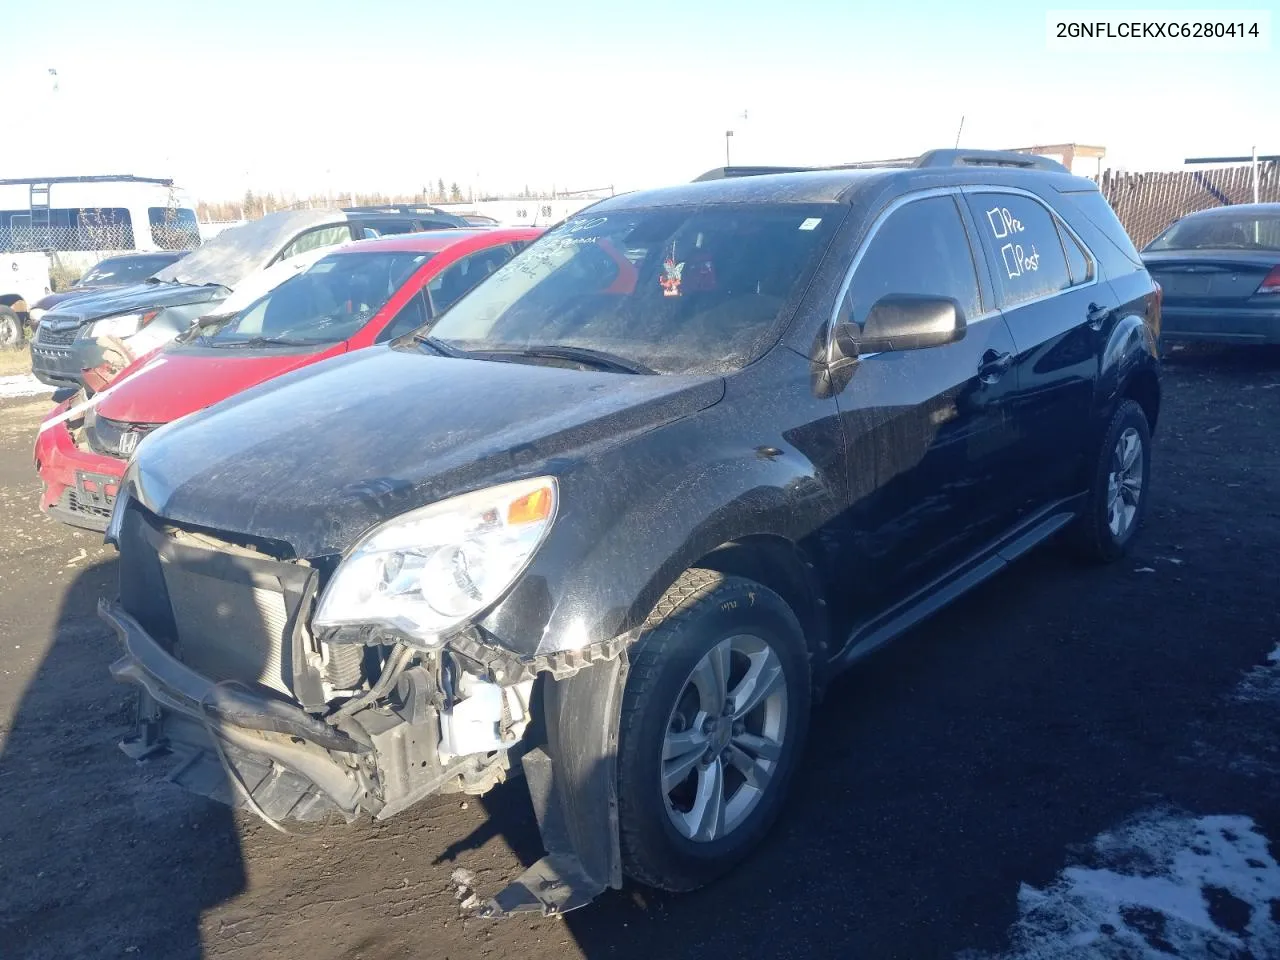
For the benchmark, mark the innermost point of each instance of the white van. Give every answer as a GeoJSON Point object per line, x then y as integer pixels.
{"type": "Point", "coordinates": [73, 222]}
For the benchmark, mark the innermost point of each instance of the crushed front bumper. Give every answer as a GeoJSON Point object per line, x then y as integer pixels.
{"type": "Point", "coordinates": [249, 749]}
{"type": "Point", "coordinates": [79, 486]}
{"type": "Point", "coordinates": [61, 364]}
{"type": "Point", "coordinates": [289, 763]}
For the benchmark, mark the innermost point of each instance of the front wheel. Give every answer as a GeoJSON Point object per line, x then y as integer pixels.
{"type": "Point", "coordinates": [1117, 500]}
{"type": "Point", "coordinates": [11, 333]}
{"type": "Point", "coordinates": [713, 722]}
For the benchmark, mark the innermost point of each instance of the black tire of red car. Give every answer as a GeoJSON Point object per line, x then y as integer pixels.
{"type": "Point", "coordinates": [11, 330]}
{"type": "Point", "coordinates": [703, 610]}
{"type": "Point", "coordinates": [1093, 535]}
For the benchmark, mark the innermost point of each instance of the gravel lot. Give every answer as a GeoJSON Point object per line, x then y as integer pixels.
{"type": "Point", "coordinates": [1071, 763]}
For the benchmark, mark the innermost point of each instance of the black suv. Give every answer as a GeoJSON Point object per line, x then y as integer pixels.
{"type": "Point", "coordinates": [621, 514]}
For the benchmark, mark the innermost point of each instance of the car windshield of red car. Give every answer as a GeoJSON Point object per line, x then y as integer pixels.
{"type": "Point", "coordinates": [328, 303]}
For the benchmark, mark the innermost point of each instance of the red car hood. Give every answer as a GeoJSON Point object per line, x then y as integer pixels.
{"type": "Point", "coordinates": [182, 381]}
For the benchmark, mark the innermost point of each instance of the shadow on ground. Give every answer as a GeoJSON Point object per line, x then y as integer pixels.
{"type": "Point", "coordinates": [95, 860]}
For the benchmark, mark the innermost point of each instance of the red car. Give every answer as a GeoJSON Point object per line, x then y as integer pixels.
{"type": "Point", "coordinates": [364, 293]}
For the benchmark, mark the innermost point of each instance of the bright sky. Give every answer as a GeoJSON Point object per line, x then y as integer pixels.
{"type": "Point", "coordinates": [391, 94]}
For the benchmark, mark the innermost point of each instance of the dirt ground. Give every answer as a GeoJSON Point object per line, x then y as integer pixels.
{"type": "Point", "coordinates": [1070, 763]}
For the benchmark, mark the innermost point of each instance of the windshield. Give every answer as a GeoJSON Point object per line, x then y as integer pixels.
{"type": "Point", "coordinates": [1242, 231]}
{"type": "Point", "coordinates": [328, 303]}
{"type": "Point", "coordinates": [674, 289]}
{"type": "Point", "coordinates": [121, 270]}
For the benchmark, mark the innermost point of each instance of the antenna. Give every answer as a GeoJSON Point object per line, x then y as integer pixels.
{"type": "Point", "coordinates": [961, 128]}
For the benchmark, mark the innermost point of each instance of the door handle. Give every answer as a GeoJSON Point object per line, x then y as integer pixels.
{"type": "Point", "coordinates": [994, 365]}
{"type": "Point", "coordinates": [1097, 316]}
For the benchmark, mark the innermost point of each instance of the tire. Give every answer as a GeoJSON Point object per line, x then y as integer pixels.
{"type": "Point", "coordinates": [705, 619]}
{"type": "Point", "coordinates": [1096, 535]}
{"type": "Point", "coordinates": [12, 335]}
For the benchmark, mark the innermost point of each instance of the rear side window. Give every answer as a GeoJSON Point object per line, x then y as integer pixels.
{"type": "Point", "coordinates": [1022, 244]}
{"type": "Point", "coordinates": [385, 228]}
{"type": "Point", "coordinates": [315, 239]}
{"type": "Point", "coordinates": [459, 279]}
{"type": "Point", "coordinates": [411, 316]}
{"type": "Point", "coordinates": [922, 248]}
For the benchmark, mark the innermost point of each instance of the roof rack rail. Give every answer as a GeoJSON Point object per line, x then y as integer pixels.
{"type": "Point", "coordinates": [932, 158]}
{"type": "Point", "coordinates": [988, 158]}
{"type": "Point", "coordinates": [394, 208]}
{"type": "Point", "coordinates": [721, 173]}
{"type": "Point", "coordinates": [102, 178]}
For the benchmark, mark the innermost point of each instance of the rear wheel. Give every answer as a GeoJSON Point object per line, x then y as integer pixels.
{"type": "Point", "coordinates": [11, 332]}
{"type": "Point", "coordinates": [713, 722]}
{"type": "Point", "coordinates": [1117, 501]}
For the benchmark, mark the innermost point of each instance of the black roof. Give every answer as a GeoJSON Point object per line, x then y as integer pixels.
{"type": "Point", "coordinates": [841, 184]}
{"type": "Point", "coordinates": [933, 159]}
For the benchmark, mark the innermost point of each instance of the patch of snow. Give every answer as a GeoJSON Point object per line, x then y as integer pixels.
{"type": "Point", "coordinates": [1262, 683]}
{"type": "Point", "coordinates": [1162, 885]}
{"type": "Point", "coordinates": [22, 385]}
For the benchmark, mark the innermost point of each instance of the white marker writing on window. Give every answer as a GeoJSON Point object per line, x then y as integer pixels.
{"type": "Point", "coordinates": [1003, 222]}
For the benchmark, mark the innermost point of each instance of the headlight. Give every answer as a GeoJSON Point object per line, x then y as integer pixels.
{"type": "Point", "coordinates": [125, 325]}
{"type": "Point", "coordinates": [35, 313]}
{"type": "Point", "coordinates": [436, 567]}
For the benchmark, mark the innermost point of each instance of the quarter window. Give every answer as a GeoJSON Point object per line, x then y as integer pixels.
{"type": "Point", "coordinates": [1078, 261]}
{"type": "Point", "coordinates": [1023, 245]}
{"type": "Point", "coordinates": [922, 248]}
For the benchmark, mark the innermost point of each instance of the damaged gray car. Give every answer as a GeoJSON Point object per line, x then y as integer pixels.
{"type": "Point", "coordinates": [614, 520]}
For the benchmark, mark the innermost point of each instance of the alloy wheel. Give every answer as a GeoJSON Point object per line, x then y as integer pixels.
{"type": "Point", "coordinates": [1124, 483]}
{"type": "Point", "coordinates": [724, 738]}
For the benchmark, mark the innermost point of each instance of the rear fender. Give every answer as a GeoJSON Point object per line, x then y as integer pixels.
{"type": "Point", "coordinates": [1130, 352]}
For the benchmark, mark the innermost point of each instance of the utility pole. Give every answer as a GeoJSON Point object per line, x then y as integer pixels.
{"type": "Point", "coordinates": [1255, 174]}
{"type": "Point", "coordinates": [1253, 159]}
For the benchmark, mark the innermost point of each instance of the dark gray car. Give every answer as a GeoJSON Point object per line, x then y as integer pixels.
{"type": "Point", "coordinates": [1220, 272]}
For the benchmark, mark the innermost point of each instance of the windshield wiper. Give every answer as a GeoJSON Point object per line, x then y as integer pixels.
{"type": "Point", "coordinates": [599, 359]}
{"type": "Point", "coordinates": [439, 346]}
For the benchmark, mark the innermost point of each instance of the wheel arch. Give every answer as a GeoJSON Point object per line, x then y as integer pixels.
{"type": "Point", "coordinates": [781, 565]}
{"type": "Point", "coordinates": [1143, 387]}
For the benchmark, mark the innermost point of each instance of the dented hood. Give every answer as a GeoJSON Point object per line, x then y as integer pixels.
{"type": "Point", "coordinates": [316, 458]}
{"type": "Point", "coordinates": [186, 379]}
{"type": "Point", "coordinates": [133, 298]}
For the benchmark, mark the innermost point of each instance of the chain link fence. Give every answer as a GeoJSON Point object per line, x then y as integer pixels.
{"type": "Point", "coordinates": [109, 237]}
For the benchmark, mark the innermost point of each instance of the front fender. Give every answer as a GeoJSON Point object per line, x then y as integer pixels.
{"type": "Point", "coordinates": [634, 520]}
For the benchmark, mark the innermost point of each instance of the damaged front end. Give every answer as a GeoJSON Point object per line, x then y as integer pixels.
{"type": "Point", "coordinates": [253, 698]}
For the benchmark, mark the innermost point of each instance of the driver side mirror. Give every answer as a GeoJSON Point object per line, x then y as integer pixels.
{"type": "Point", "coordinates": [901, 321]}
